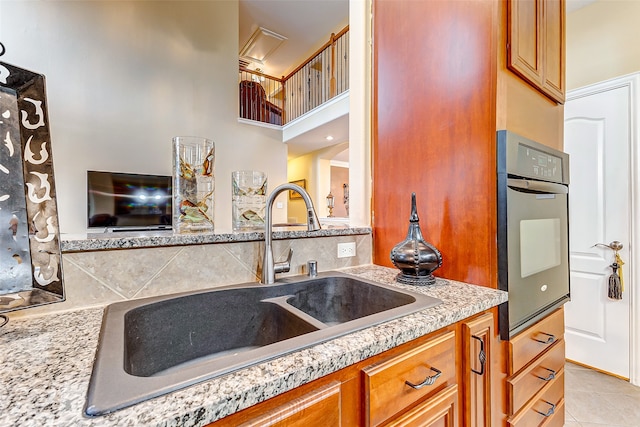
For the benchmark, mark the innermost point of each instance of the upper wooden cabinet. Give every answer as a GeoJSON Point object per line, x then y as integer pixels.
{"type": "Point", "coordinates": [536, 44]}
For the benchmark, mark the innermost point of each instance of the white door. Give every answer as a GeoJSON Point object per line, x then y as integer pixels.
{"type": "Point", "coordinates": [597, 137]}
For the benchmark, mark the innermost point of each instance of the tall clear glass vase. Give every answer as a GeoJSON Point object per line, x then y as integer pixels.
{"type": "Point", "coordinates": [193, 184]}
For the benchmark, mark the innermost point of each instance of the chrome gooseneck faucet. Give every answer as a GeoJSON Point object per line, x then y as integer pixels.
{"type": "Point", "coordinates": [269, 266]}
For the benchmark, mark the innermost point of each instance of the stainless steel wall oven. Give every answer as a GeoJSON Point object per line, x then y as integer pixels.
{"type": "Point", "coordinates": [533, 230]}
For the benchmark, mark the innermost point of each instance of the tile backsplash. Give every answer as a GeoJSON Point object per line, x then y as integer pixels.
{"type": "Point", "coordinates": [96, 278]}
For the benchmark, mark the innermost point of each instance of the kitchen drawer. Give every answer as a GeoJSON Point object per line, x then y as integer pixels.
{"type": "Point", "coordinates": [439, 410]}
{"type": "Point", "coordinates": [526, 346]}
{"type": "Point", "coordinates": [545, 409]}
{"type": "Point", "coordinates": [319, 407]}
{"type": "Point", "coordinates": [386, 388]}
{"type": "Point", "coordinates": [530, 380]}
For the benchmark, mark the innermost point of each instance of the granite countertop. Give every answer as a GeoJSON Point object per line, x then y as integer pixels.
{"type": "Point", "coordinates": [147, 239]}
{"type": "Point", "coordinates": [46, 362]}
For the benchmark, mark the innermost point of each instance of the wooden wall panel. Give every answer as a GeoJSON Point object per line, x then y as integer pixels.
{"type": "Point", "coordinates": [434, 130]}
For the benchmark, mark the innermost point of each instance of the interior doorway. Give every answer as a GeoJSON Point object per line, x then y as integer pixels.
{"type": "Point", "coordinates": [600, 137]}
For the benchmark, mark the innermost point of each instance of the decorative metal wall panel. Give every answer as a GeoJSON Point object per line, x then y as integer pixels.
{"type": "Point", "coordinates": [30, 258]}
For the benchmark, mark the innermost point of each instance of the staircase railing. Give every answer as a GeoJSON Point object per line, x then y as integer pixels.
{"type": "Point", "coordinates": [320, 78]}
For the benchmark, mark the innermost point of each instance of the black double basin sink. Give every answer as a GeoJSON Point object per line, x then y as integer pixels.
{"type": "Point", "coordinates": [153, 346]}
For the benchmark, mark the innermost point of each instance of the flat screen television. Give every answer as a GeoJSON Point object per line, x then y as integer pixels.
{"type": "Point", "coordinates": [128, 201]}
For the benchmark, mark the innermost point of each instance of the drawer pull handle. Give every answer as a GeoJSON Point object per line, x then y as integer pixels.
{"type": "Point", "coordinates": [550, 411]}
{"type": "Point", "coordinates": [482, 356]}
{"type": "Point", "coordinates": [428, 381]}
{"type": "Point", "coordinates": [549, 377]}
{"type": "Point", "coordinates": [549, 340]}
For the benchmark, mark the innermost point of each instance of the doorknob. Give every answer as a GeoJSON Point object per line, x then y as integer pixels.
{"type": "Point", "coordinates": [615, 245]}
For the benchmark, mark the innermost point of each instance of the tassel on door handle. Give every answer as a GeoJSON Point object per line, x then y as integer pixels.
{"type": "Point", "coordinates": [616, 281]}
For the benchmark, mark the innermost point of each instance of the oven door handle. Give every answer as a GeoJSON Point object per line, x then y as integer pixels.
{"type": "Point", "coordinates": [537, 186]}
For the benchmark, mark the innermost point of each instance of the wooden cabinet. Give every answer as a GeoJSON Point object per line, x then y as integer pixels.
{"type": "Point", "coordinates": [477, 346]}
{"type": "Point", "coordinates": [434, 131]}
{"type": "Point", "coordinates": [439, 411]}
{"type": "Point", "coordinates": [539, 337]}
{"type": "Point", "coordinates": [318, 407]}
{"type": "Point", "coordinates": [442, 87]}
{"type": "Point", "coordinates": [441, 90]}
{"type": "Point", "coordinates": [536, 44]}
{"type": "Point", "coordinates": [426, 382]}
{"type": "Point", "coordinates": [545, 409]}
{"type": "Point", "coordinates": [535, 386]}
{"type": "Point", "coordinates": [391, 386]}
{"type": "Point", "coordinates": [534, 377]}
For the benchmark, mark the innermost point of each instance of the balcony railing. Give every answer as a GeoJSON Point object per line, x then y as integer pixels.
{"type": "Point", "coordinates": [261, 97]}
{"type": "Point", "coordinates": [323, 76]}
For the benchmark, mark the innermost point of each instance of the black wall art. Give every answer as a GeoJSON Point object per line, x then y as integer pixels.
{"type": "Point", "coordinates": [30, 257]}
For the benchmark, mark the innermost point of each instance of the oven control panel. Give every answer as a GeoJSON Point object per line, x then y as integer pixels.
{"type": "Point", "coordinates": [535, 163]}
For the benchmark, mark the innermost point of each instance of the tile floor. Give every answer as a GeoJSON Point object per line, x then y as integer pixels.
{"type": "Point", "coordinates": [593, 399]}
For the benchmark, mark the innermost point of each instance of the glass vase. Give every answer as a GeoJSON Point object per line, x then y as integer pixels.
{"type": "Point", "coordinates": [193, 184]}
{"type": "Point", "coordinates": [249, 195]}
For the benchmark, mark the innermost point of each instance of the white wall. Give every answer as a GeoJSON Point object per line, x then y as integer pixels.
{"type": "Point", "coordinates": [124, 77]}
{"type": "Point", "coordinates": [360, 112]}
{"type": "Point", "coordinates": [602, 42]}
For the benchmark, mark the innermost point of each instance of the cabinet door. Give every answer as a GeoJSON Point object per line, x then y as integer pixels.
{"type": "Point", "coordinates": [554, 49]}
{"type": "Point", "coordinates": [439, 411]}
{"type": "Point", "coordinates": [536, 46]}
{"type": "Point", "coordinates": [524, 54]}
{"type": "Point", "coordinates": [319, 407]}
{"type": "Point", "coordinates": [477, 336]}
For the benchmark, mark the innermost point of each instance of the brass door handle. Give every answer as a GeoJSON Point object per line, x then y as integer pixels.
{"type": "Point", "coordinates": [614, 246]}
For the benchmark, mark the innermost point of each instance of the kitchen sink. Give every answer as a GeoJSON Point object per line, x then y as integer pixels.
{"type": "Point", "coordinates": [244, 324]}
{"type": "Point", "coordinates": [157, 345]}
{"type": "Point", "coordinates": [338, 300]}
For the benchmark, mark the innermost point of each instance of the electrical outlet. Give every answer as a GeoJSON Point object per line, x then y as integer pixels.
{"type": "Point", "coordinates": [346, 250]}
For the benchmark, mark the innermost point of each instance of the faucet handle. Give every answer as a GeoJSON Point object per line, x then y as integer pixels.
{"type": "Point", "coordinates": [284, 266]}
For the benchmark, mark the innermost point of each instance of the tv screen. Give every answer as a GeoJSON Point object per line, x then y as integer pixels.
{"type": "Point", "coordinates": [127, 201]}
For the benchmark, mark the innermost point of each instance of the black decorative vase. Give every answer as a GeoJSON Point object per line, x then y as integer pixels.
{"type": "Point", "coordinates": [415, 258]}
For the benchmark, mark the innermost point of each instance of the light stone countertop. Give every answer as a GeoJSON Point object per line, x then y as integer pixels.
{"type": "Point", "coordinates": [149, 239]}
{"type": "Point", "coordinates": [46, 362]}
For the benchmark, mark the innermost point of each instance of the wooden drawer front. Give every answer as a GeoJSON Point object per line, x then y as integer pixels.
{"type": "Point", "coordinates": [535, 376]}
{"type": "Point", "coordinates": [320, 407]}
{"type": "Point", "coordinates": [550, 402]}
{"type": "Point", "coordinates": [526, 346]}
{"type": "Point", "coordinates": [440, 410]}
{"type": "Point", "coordinates": [385, 383]}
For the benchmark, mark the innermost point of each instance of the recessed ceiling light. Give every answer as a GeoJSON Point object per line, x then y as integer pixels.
{"type": "Point", "coordinates": [329, 138]}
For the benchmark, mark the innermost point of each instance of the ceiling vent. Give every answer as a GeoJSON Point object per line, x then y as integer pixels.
{"type": "Point", "coordinates": [260, 45]}
{"type": "Point", "coordinates": [243, 63]}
